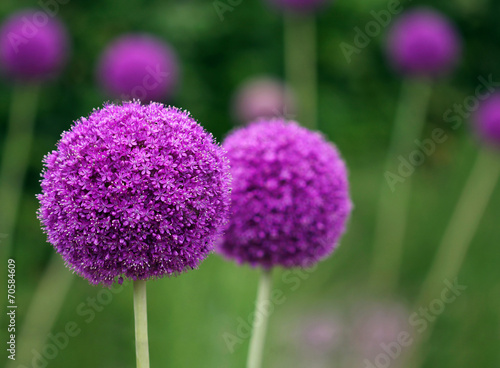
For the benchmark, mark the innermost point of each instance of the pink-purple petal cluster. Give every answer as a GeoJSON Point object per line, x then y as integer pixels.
{"type": "Point", "coordinates": [487, 120]}
{"type": "Point", "coordinates": [136, 191]}
{"type": "Point", "coordinates": [423, 43]}
{"type": "Point", "coordinates": [33, 46]}
{"type": "Point", "coordinates": [290, 198]}
{"type": "Point", "coordinates": [138, 66]}
{"type": "Point", "coordinates": [262, 97]}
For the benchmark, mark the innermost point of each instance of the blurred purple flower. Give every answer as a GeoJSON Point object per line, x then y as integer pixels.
{"type": "Point", "coordinates": [134, 190]}
{"type": "Point", "coordinates": [262, 97]}
{"type": "Point", "coordinates": [321, 333]}
{"type": "Point", "coordinates": [138, 66]}
{"type": "Point", "coordinates": [299, 6]}
{"type": "Point", "coordinates": [487, 120]}
{"type": "Point", "coordinates": [33, 46]}
{"type": "Point", "coordinates": [378, 324]}
{"type": "Point", "coordinates": [290, 198]}
{"type": "Point", "coordinates": [423, 43]}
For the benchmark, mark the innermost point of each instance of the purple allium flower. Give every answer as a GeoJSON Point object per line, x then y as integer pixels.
{"type": "Point", "coordinates": [262, 97]}
{"type": "Point", "coordinates": [423, 42]}
{"type": "Point", "coordinates": [134, 190]}
{"type": "Point", "coordinates": [290, 198]}
{"type": "Point", "coordinates": [33, 46]}
{"type": "Point", "coordinates": [487, 120]}
{"type": "Point", "coordinates": [138, 66]}
{"type": "Point", "coordinates": [298, 6]}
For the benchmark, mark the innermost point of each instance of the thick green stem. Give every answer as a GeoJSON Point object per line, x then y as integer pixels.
{"type": "Point", "coordinates": [300, 64]}
{"type": "Point", "coordinates": [141, 324]}
{"type": "Point", "coordinates": [463, 225]}
{"type": "Point", "coordinates": [15, 158]}
{"type": "Point", "coordinates": [258, 338]}
{"type": "Point", "coordinates": [392, 213]}
{"type": "Point", "coordinates": [457, 238]}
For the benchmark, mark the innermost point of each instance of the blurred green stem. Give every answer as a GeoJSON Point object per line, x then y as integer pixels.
{"type": "Point", "coordinates": [300, 64]}
{"type": "Point", "coordinates": [463, 225]}
{"type": "Point", "coordinates": [15, 157]}
{"type": "Point", "coordinates": [393, 203]}
{"type": "Point", "coordinates": [141, 324]}
{"type": "Point", "coordinates": [258, 338]}
{"type": "Point", "coordinates": [458, 236]}
{"type": "Point", "coordinates": [43, 309]}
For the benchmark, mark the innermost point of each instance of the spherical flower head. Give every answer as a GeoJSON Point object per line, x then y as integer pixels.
{"type": "Point", "coordinates": [33, 46]}
{"type": "Point", "coordinates": [136, 191]}
{"type": "Point", "coordinates": [299, 6]}
{"type": "Point", "coordinates": [262, 97]}
{"type": "Point", "coordinates": [138, 66]}
{"type": "Point", "coordinates": [290, 198]}
{"type": "Point", "coordinates": [423, 43]}
{"type": "Point", "coordinates": [487, 120]}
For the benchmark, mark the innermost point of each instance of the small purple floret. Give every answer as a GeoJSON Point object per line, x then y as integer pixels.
{"type": "Point", "coordinates": [136, 191]}
{"type": "Point", "coordinates": [138, 66]}
{"type": "Point", "coordinates": [423, 43]}
{"type": "Point", "coordinates": [487, 120]}
{"type": "Point", "coordinates": [33, 46]}
{"type": "Point", "coordinates": [290, 198]}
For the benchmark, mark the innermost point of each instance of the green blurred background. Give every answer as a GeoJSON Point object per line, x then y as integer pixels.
{"type": "Point", "coordinates": [189, 314]}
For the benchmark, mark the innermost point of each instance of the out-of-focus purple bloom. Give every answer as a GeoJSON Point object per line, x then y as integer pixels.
{"type": "Point", "coordinates": [33, 46]}
{"type": "Point", "coordinates": [299, 6]}
{"type": "Point", "coordinates": [321, 333]}
{"type": "Point", "coordinates": [487, 120]}
{"type": "Point", "coordinates": [377, 325]}
{"type": "Point", "coordinates": [290, 198]}
{"type": "Point", "coordinates": [138, 66]}
{"type": "Point", "coordinates": [262, 97]}
{"type": "Point", "coordinates": [134, 190]}
{"type": "Point", "coordinates": [423, 42]}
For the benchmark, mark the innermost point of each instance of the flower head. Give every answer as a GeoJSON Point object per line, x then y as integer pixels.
{"type": "Point", "coordinates": [422, 42]}
{"type": "Point", "coordinates": [290, 198]}
{"type": "Point", "coordinates": [298, 6]}
{"type": "Point", "coordinates": [487, 120]}
{"type": "Point", "coordinates": [33, 46]}
{"type": "Point", "coordinates": [138, 66]}
{"type": "Point", "coordinates": [134, 190]}
{"type": "Point", "coordinates": [262, 97]}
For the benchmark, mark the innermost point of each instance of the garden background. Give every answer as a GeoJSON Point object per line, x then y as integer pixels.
{"type": "Point", "coordinates": [357, 100]}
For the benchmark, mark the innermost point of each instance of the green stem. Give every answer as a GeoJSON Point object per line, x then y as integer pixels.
{"type": "Point", "coordinates": [141, 324]}
{"type": "Point", "coordinates": [257, 340]}
{"type": "Point", "coordinates": [393, 205]}
{"type": "Point", "coordinates": [458, 237]}
{"type": "Point", "coordinates": [15, 158]}
{"type": "Point", "coordinates": [301, 64]}
{"type": "Point", "coordinates": [43, 309]}
{"type": "Point", "coordinates": [463, 225]}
